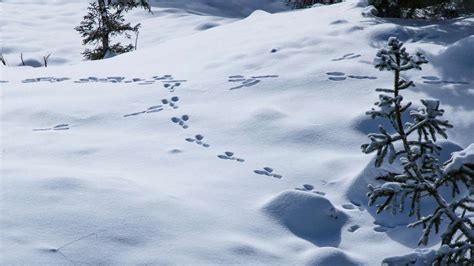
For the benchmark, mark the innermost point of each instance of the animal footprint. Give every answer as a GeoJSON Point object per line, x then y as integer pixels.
{"type": "Point", "coordinates": [169, 82]}
{"type": "Point", "coordinates": [347, 57]}
{"type": "Point", "coordinates": [340, 76]}
{"type": "Point", "coordinates": [268, 172]}
{"type": "Point", "coordinates": [361, 77]}
{"type": "Point", "coordinates": [247, 82]}
{"type": "Point", "coordinates": [158, 108]}
{"type": "Point", "coordinates": [134, 114]}
{"type": "Point", "coordinates": [228, 155]}
{"type": "Point", "coordinates": [115, 79]}
{"type": "Point", "coordinates": [171, 102]}
{"type": "Point", "coordinates": [198, 139]}
{"type": "Point", "coordinates": [336, 76]}
{"type": "Point", "coordinates": [181, 121]}
{"type": "Point", "coordinates": [309, 188]}
{"type": "Point", "coordinates": [380, 229]}
{"type": "Point", "coordinates": [353, 228]}
{"type": "Point", "coordinates": [147, 82]}
{"type": "Point", "coordinates": [137, 79]}
{"type": "Point", "coordinates": [265, 76]}
{"type": "Point", "coordinates": [154, 109]}
{"type": "Point", "coordinates": [348, 206]}
{"type": "Point", "coordinates": [48, 79]}
{"type": "Point", "coordinates": [436, 80]}
{"type": "Point", "coordinates": [58, 127]}
{"type": "Point", "coordinates": [4, 81]}
{"type": "Point", "coordinates": [236, 78]}
{"type": "Point", "coordinates": [359, 206]}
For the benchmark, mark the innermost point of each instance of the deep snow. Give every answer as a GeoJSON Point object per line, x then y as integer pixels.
{"type": "Point", "coordinates": [98, 152]}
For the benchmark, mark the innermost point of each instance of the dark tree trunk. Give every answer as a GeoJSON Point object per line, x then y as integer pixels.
{"type": "Point", "coordinates": [104, 25]}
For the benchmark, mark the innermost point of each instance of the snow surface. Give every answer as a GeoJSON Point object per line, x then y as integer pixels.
{"type": "Point", "coordinates": [460, 159]}
{"type": "Point", "coordinates": [94, 170]}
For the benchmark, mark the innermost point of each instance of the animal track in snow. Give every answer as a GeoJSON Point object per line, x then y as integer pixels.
{"type": "Point", "coordinates": [348, 206]}
{"type": "Point", "coordinates": [268, 171]}
{"type": "Point", "coordinates": [436, 80]}
{"type": "Point", "coordinates": [151, 109]}
{"type": "Point", "coordinates": [44, 79]}
{"type": "Point", "coordinates": [247, 82]}
{"type": "Point", "coordinates": [172, 103]}
{"type": "Point", "coordinates": [353, 228]}
{"type": "Point", "coordinates": [228, 155]}
{"type": "Point", "coordinates": [340, 76]}
{"type": "Point", "coordinates": [181, 121]}
{"type": "Point", "coordinates": [198, 140]}
{"type": "Point", "coordinates": [4, 81]}
{"type": "Point", "coordinates": [361, 77]}
{"type": "Point", "coordinates": [347, 57]}
{"type": "Point", "coordinates": [117, 79]}
{"type": "Point", "coordinates": [380, 229]}
{"type": "Point", "coordinates": [359, 206]}
{"type": "Point", "coordinates": [310, 188]}
{"type": "Point", "coordinates": [169, 82]}
{"type": "Point", "coordinates": [57, 127]}
{"type": "Point", "coordinates": [336, 76]}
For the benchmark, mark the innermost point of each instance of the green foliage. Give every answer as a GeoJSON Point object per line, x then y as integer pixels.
{"type": "Point", "coordinates": [422, 175]}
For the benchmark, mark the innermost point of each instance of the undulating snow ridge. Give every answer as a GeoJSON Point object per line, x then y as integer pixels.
{"type": "Point", "coordinates": [238, 144]}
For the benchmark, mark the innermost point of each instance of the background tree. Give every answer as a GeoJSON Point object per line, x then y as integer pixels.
{"type": "Point", "coordinates": [105, 20]}
{"type": "Point", "coordinates": [423, 8]}
{"type": "Point", "coordinates": [298, 4]}
{"type": "Point", "coordinates": [422, 176]}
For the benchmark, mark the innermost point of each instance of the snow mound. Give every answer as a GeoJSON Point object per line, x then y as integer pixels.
{"type": "Point", "coordinates": [234, 8]}
{"type": "Point", "coordinates": [459, 159]}
{"type": "Point", "coordinates": [329, 256]}
{"type": "Point", "coordinates": [418, 258]}
{"type": "Point", "coordinates": [456, 60]}
{"type": "Point", "coordinates": [308, 215]}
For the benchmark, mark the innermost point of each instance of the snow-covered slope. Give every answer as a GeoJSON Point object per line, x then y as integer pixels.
{"type": "Point", "coordinates": [123, 161]}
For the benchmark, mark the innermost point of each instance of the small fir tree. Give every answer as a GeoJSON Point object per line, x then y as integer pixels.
{"type": "Point", "coordinates": [422, 175]}
{"type": "Point", "coordinates": [105, 20]}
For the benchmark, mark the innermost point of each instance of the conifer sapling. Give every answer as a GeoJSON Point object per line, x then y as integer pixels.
{"type": "Point", "coordinates": [105, 20]}
{"type": "Point", "coordinates": [422, 175]}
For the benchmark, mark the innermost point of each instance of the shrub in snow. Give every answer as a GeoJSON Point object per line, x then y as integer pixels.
{"type": "Point", "coordinates": [104, 21]}
{"type": "Point", "coordinates": [29, 62]}
{"type": "Point", "coordinates": [423, 175]}
{"type": "Point", "coordinates": [297, 4]}
{"type": "Point", "coordinates": [2, 59]}
{"type": "Point", "coordinates": [422, 8]}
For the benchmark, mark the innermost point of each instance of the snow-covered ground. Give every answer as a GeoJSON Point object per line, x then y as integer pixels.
{"type": "Point", "coordinates": [123, 161]}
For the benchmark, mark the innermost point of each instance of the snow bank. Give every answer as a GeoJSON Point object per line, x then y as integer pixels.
{"type": "Point", "coordinates": [227, 8]}
{"type": "Point", "coordinates": [308, 215]}
{"type": "Point", "coordinates": [456, 61]}
{"type": "Point", "coordinates": [329, 256]}
{"type": "Point", "coordinates": [459, 159]}
{"type": "Point", "coordinates": [420, 257]}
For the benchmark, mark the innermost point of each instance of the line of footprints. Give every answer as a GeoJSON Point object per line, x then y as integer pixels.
{"type": "Point", "coordinates": [198, 139]}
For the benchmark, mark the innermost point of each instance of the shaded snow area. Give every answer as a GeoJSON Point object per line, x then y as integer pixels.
{"type": "Point", "coordinates": [224, 139]}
